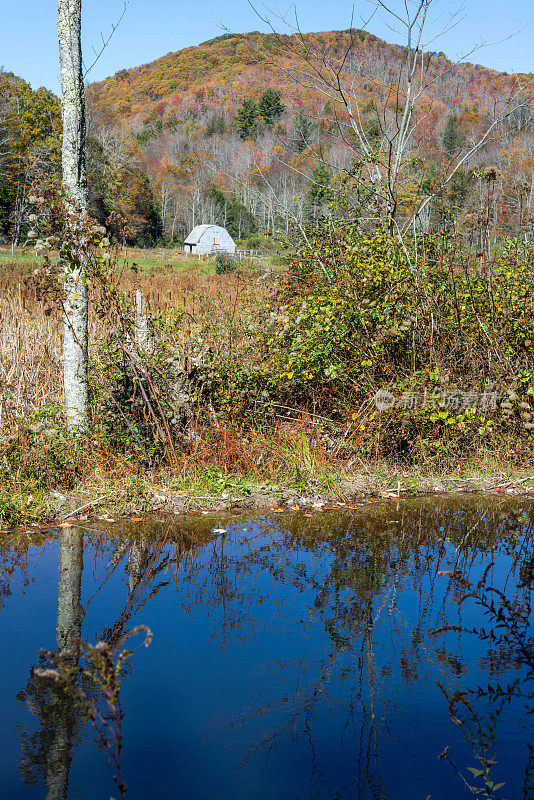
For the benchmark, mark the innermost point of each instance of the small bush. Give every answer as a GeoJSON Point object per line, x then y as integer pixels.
{"type": "Point", "coordinates": [255, 241]}
{"type": "Point", "coordinates": [224, 263]}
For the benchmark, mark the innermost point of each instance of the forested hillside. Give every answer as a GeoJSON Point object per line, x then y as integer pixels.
{"type": "Point", "coordinates": [245, 130]}
{"type": "Point", "coordinates": [216, 76]}
{"type": "Point", "coordinates": [240, 130]}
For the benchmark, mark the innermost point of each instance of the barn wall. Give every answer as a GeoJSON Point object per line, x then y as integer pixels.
{"type": "Point", "coordinates": [223, 241]}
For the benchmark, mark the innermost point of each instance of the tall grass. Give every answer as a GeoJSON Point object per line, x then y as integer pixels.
{"type": "Point", "coordinates": [195, 307]}
{"type": "Point", "coordinates": [30, 355]}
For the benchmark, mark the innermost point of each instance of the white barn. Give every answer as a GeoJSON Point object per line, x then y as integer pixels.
{"type": "Point", "coordinates": [207, 239]}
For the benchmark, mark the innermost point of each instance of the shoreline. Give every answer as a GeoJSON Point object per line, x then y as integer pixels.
{"type": "Point", "coordinates": [111, 503]}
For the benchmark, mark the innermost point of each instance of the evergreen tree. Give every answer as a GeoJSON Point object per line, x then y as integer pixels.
{"type": "Point", "coordinates": [232, 214]}
{"type": "Point", "coordinates": [246, 119]}
{"type": "Point", "coordinates": [216, 125]}
{"type": "Point", "coordinates": [453, 135]}
{"type": "Point", "coordinates": [319, 191]}
{"type": "Point", "coordinates": [303, 131]}
{"type": "Point", "coordinates": [458, 188]}
{"type": "Point", "coordinates": [429, 175]}
{"type": "Point", "coordinates": [270, 106]}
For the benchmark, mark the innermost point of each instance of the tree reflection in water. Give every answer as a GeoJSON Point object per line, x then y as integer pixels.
{"type": "Point", "coordinates": [355, 568]}
{"type": "Point", "coordinates": [356, 575]}
{"type": "Point", "coordinates": [48, 752]}
{"type": "Point", "coordinates": [50, 749]}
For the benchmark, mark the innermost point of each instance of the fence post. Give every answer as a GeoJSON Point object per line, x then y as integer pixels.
{"type": "Point", "coordinates": [143, 331]}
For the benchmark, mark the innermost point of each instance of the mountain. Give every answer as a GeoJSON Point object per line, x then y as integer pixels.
{"type": "Point", "coordinates": [214, 147]}
{"type": "Point", "coordinates": [244, 131]}
{"type": "Point", "coordinates": [215, 76]}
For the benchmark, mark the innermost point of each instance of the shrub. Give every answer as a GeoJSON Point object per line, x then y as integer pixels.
{"type": "Point", "coordinates": [254, 241]}
{"type": "Point", "coordinates": [361, 312]}
{"type": "Point", "coordinates": [358, 312]}
{"type": "Point", "coordinates": [224, 263]}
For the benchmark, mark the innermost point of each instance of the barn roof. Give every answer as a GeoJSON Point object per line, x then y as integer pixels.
{"type": "Point", "coordinates": [196, 234]}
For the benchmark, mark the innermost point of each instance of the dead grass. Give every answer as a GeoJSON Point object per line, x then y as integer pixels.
{"type": "Point", "coordinates": [30, 352]}
{"type": "Point", "coordinates": [198, 306]}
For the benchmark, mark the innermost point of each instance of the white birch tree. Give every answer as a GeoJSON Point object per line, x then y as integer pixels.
{"type": "Point", "coordinates": [74, 181]}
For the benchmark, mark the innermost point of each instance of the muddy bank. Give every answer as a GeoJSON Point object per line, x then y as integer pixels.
{"type": "Point", "coordinates": [356, 492]}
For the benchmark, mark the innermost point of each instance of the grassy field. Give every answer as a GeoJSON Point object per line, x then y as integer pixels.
{"type": "Point", "coordinates": [199, 302]}
{"type": "Point", "coordinates": [146, 260]}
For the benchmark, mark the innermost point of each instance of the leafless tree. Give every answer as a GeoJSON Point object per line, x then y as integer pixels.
{"type": "Point", "coordinates": [382, 97]}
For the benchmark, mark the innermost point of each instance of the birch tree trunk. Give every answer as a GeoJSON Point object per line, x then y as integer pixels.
{"type": "Point", "coordinates": [69, 604]}
{"type": "Point", "coordinates": [62, 708]}
{"type": "Point", "coordinates": [74, 181]}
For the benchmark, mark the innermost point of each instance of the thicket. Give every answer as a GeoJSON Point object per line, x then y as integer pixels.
{"type": "Point", "coordinates": [275, 378]}
{"type": "Point", "coordinates": [224, 263]}
{"type": "Point", "coordinates": [446, 332]}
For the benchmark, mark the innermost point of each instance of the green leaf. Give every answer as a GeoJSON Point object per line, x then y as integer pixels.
{"type": "Point", "coordinates": [476, 772]}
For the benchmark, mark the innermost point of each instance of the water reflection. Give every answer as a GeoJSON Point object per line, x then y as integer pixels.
{"type": "Point", "coordinates": [49, 750]}
{"type": "Point", "coordinates": [340, 625]}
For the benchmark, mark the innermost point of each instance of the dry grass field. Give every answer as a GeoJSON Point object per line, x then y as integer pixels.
{"type": "Point", "coordinates": [195, 298]}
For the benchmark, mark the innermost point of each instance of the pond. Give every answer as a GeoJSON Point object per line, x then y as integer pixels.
{"type": "Point", "coordinates": [293, 656]}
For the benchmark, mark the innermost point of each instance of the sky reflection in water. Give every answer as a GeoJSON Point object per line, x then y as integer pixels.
{"type": "Point", "coordinates": [292, 658]}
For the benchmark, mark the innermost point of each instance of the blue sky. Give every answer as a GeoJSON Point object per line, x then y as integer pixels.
{"type": "Point", "coordinates": [152, 28]}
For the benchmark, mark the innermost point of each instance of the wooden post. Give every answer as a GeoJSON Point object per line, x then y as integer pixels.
{"type": "Point", "coordinates": [143, 331]}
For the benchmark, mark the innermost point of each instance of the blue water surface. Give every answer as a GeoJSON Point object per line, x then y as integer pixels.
{"type": "Point", "coordinates": [293, 657]}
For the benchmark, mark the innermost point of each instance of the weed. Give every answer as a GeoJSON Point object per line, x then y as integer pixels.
{"type": "Point", "coordinates": [101, 667]}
